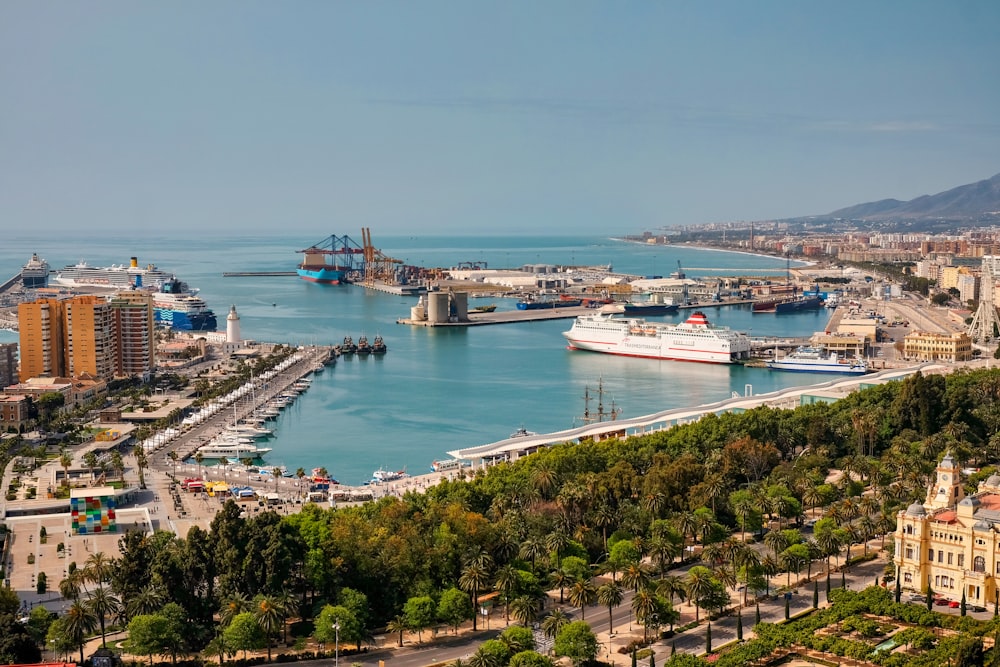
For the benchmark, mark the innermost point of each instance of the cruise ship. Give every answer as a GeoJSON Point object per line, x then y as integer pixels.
{"type": "Point", "coordinates": [695, 339]}
{"type": "Point", "coordinates": [818, 360]}
{"type": "Point", "coordinates": [35, 273]}
{"type": "Point", "coordinates": [174, 304]}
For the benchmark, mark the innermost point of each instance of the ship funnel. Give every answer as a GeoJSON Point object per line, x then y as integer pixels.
{"type": "Point", "coordinates": [135, 262]}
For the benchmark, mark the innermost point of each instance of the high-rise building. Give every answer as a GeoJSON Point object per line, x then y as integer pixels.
{"type": "Point", "coordinates": [90, 337]}
{"type": "Point", "coordinates": [87, 335]}
{"type": "Point", "coordinates": [8, 364]}
{"type": "Point", "coordinates": [134, 332]}
{"type": "Point", "coordinates": [40, 324]}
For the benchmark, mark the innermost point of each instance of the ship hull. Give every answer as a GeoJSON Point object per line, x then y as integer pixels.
{"type": "Point", "coordinates": [840, 369]}
{"type": "Point", "coordinates": [325, 276]}
{"type": "Point", "coordinates": [182, 321]}
{"type": "Point", "coordinates": [637, 338]}
{"type": "Point", "coordinates": [805, 303]}
{"type": "Point", "coordinates": [544, 305]}
{"type": "Point", "coordinates": [652, 309]}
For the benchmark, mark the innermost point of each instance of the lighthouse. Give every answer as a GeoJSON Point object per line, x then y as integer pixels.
{"type": "Point", "coordinates": [232, 331]}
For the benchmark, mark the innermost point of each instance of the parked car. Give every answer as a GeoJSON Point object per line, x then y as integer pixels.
{"type": "Point", "coordinates": [953, 604]}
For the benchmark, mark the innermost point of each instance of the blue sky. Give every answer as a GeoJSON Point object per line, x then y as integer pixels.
{"type": "Point", "coordinates": [485, 117]}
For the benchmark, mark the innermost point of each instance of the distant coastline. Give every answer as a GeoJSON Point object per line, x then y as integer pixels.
{"type": "Point", "coordinates": [800, 262]}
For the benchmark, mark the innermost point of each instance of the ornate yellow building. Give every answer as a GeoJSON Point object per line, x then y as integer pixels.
{"type": "Point", "coordinates": [951, 542]}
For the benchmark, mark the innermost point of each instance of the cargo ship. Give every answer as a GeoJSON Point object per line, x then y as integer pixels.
{"type": "Point", "coordinates": [530, 303]}
{"type": "Point", "coordinates": [330, 261]}
{"type": "Point", "coordinates": [174, 303]}
{"type": "Point", "coordinates": [818, 360]}
{"type": "Point", "coordinates": [649, 308]}
{"type": "Point", "coordinates": [792, 305]}
{"type": "Point", "coordinates": [695, 339]}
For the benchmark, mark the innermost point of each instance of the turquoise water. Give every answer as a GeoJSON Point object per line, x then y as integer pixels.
{"type": "Point", "coordinates": [438, 389]}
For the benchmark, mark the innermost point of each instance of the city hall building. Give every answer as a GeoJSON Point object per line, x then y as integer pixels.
{"type": "Point", "coordinates": [951, 542]}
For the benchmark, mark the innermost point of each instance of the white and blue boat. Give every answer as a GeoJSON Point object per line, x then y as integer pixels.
{"type": "Point", "coordinates": [818, 360]}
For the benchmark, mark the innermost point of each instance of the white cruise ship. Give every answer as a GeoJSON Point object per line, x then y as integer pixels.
{"type": "Point", "coordinates": [174, 303]}
{"type": "Point", "coordinates": [818, 360]}
{"type": "Point", "coordinates": [692, 340]}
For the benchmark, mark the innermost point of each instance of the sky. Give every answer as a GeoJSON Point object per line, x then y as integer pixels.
{"type": "Point", "coordinates": [520, 117]}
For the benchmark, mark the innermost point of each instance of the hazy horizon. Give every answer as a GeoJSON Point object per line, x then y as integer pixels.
{"type": "Point", "coordinates": [438, 118]}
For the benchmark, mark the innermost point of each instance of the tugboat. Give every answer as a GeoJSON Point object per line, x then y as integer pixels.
{"type": "Point", "coordinates": [378, 346]}
{"type": "Point", "coordinates": [348, 346]}
{"type": "Point", "coordinates": [364, 349]}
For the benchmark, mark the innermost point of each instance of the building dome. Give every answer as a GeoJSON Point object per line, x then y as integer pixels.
{"type": "Point", "coordinates": [916, 509]}
{"type": "Point", "coordinates": [947, 461]}
{"type": "Point", "coordinates": [971, 501]}
{"type": "Point", "coordinates": [981, 525]}
{"type": "Point", "coordinates": [994, 480]}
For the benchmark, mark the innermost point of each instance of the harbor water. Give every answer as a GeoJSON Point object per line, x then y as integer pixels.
{"type": "Point", "coordinates": [439, 389]}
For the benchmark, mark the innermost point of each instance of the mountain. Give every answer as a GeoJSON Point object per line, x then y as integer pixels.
{"type": "Point", "coordinates": [966, 201]}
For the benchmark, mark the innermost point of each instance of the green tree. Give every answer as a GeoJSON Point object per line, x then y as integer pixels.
{"type": "Point", "coordinates": [491, 653]}
{"type": "Point", "coordinates": [530, 659]}
{"type": "Point", "coordinates": [454, 608]}
{"type": "Point", "coordinates": [16, 643]}
{"type": "Point", "coordinates": [102, 603]}
{"type": "Point", "coordinates": [553, 622]}
{"type": "Point", "coordinates": [333, 617]}
{"type": "Point", "coordinates": [610, 595]}
{"type": "Point", "coordinates": [419, 614]}
{"type": "Point", "coordinates": [145, 634]}
{"type": "Point", "coordinates": [59, 638]}
{"type": "Point", "coordinates": [577, 642]}
{"type": "Point", "coordinates": [474, 578]}
{"type": "Point", "coordinates": [39, 620]}
{"type": "Point", "coordinates": [518, 639]}
{"type": "Point", "coordinates": [244, 634]}
{"type": "Point", "coordinates": [582, 594]}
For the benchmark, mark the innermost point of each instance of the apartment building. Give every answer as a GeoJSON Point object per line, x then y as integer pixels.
{"type": "Point", "coordinates": [40, 324]}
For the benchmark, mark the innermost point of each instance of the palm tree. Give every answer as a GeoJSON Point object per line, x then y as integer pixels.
{"type": "Point", "coordinates": [769, 566]}
{"type": "Point", "coordinates": [147, 601]}
{"type": "Point", "coordinates": [198, 458]}
{"type": "Point", "coordinates": [644, 606]}
{"type": "Point", "coordinates": [79, 621]}
{"type": "Point", "coordinates": [697, 584]}
{"type": "Point", "coordinates": [557, 541]}
{"type": "Point", "coordinates": [117, 464]}
{"type": "Point", "coordinates": [300, 473]}
{"type": "Point", "coordinates": [662, 552]}
{"type": "Point", "coordinates": [269, 614]}
{"type": "Point", "coordinates": [140, 464]}
{"type": "Point", "coordinates": [581, 594]}
{"type": "Point", "coordinates": [671, 585]}
{"type": "Point", "coordinates": [474, 578]}
{"type": "Point", "coordinates": [172, 455]}
{"type": "Point", "coordinates": [65, 460]}
{"type": "Point", "coordinates": [506, 580]}
{"type": "Point", "coordinates": [605, 516]}
{"type": "Point", "coordinates": [247, 462]}
{"type": "Point", "coordinates": [544, 479]}
{"type": "Point", "coordinates": [97, 568]}
{"type": "Point", "coordinates": [687, 523]}
{"type": "Point", "coordinates": [524, 608]}
{"type": "Point", "coordinates": [69, 587]}
{"type": "Point", "coordinates": [636, 576]}
{"type": "Point", "coordinates": [483, 659]}
{"type": "Point", "coordinates": [553, 623]}
{"type": "Point", "coordinates": [90, 460]}
{"type": "Point", "coordinates": [233, 607]}
{"type": "Point", "coordinates": [562, 579]}
{"type": "Point", "coordinates": [397, 624]}
{"type": "Point", "coordinates": [532, 549]}
{"type": "Point", "coordinates": [103, 604]}
{"type": "Point", "coordinates": [610, 595]}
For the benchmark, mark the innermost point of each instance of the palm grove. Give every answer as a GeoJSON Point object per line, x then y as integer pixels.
{"type": "Point", "coordinates": [590, 521]}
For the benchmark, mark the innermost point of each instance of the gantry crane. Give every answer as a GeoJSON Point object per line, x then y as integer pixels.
{"type": "Point", "coordinates": [378, 266]}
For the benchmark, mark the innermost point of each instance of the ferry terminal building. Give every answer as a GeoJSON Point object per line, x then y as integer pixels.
{"type": "Point", "coordinates": [951, 542]}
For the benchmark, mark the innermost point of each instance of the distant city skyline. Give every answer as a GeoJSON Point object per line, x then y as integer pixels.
{"type": "Point", "coordinates": [484, 118]}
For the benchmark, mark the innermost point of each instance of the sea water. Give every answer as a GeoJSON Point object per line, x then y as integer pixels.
{"type": "Point", "coordinates": [439, 389]}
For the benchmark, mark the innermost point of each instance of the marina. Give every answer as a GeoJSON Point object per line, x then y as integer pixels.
{"type": "Point", "coordinates": [363, 413]}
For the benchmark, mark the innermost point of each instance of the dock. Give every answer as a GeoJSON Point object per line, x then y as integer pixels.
{"type": "Point", "coordinates": [506, 317]}
{"type": "Point", "coordinates": [257, 274]}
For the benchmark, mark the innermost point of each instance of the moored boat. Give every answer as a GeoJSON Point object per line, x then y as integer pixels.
{"type": "Point", "coordinates": [818, 360]}
{"type": "Point", "coordinates": [378, 346]}
{"type": "Point", "coordinates": [531, 303]}
{"type": "Point", "coordinates": [695, 339]}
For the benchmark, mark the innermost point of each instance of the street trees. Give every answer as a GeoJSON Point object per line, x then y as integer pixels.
{"type": "Point", "coordinates": [244, 633]}
{"type": "Point", "coordinates": [454, 608]}
{"type": "Point", "coordinates": [577, 642]}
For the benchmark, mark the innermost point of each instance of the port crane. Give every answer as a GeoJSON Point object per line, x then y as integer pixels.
{"type": "Point", "coordinates": [343, 247]}
{"type": "Point", "coordinates": [378, 266]}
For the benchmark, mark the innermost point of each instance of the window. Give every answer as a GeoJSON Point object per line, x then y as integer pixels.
{"type": "Point", "coordinates": [950, 555]}
{"type": "Point", "coordinates": [907, 578]}
{"type": "Point", "coordinates": [930, 555]}
{"type": "Point", "coordinates": [909, 554]}
{"type": "Point", "coordinates": [909, 530]}
{"type": "Point", "coordinates": [978, 564]}
{"type": "Point", "coordinates": [961, 560]}
{"type": "Point", "coordinates": [940, 556]}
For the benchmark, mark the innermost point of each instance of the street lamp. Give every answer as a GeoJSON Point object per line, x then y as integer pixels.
{"type": "Point", "coordinates": [336, 644]}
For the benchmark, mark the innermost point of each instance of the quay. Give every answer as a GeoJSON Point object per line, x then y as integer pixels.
{"type": "Point", "coordinates": [505, 317]}
{"type": "Point", "coordinates": [253, 274]}
{"type": "Point", "coordinates": [510, 449]}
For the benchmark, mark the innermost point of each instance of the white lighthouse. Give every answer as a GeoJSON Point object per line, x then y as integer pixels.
{"type": "Point", "coordinates": [232, 331]}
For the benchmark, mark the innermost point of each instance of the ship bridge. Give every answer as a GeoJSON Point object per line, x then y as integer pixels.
{"type": "Point", "coordinates": [510, 449]}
